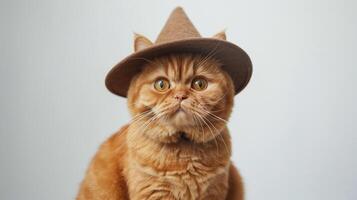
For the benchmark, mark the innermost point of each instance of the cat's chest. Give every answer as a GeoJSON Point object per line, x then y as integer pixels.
{"type": "Point", "coordinates": [191, 182]}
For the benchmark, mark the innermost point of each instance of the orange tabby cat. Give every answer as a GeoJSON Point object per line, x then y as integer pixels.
{"type": "Point", "coordinates": [177, 145]}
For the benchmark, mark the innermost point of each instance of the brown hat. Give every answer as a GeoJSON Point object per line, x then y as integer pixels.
{"type": "Point", "coordinates": [180, 36]}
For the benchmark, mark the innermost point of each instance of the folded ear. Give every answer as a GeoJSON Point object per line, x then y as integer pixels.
{"type": "Point", "coordinates": [221, 35]}
{"type": "Point", "coordinates": [141, 42]}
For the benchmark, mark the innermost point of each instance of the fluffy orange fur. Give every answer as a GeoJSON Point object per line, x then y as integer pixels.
{"type": "Point", "coordinates": [177, 145]}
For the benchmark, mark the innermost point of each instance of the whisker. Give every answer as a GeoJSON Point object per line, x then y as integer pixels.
{"type": "Point", "coordinates": [215, 116]}
{"type": "Point", "coordinates": [213, 137]}
{"type": "Point", "coordinates": [219, 135]}
{"type": "Point", "coordinates": [198, 120]}
{"type": "Point", "coordinates": [209, 113]}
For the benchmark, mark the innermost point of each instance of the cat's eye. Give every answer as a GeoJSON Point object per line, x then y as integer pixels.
{"type": "Point", "coordinates": [161, 84]}
{"type": "Point", "coordinates": [199, 84]}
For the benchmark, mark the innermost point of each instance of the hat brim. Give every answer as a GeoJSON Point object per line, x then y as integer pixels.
{"type": "Point", "coordinates": [235, 61]}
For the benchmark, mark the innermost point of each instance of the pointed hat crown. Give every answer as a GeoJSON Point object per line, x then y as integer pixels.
{"type": "Point", "coordinates": [177, 27]}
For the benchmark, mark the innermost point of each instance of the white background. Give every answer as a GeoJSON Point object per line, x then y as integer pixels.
{"type": "Point", "coordinates": [294, 126]}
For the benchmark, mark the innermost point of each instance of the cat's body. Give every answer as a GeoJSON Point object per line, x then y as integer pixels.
{"type": "Point", "coordinates": [115, 173]}
{"type": "Point", "coordinates": [177, 145]}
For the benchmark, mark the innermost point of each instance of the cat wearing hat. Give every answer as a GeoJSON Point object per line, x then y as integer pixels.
{"type": "Point", "coordinates": [180, 91]}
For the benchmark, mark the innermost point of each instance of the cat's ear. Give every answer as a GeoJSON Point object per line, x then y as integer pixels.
{"type": "Point", "coordinates": [221, 35]}
{"type": "Point", "coordinates": [141, 42]}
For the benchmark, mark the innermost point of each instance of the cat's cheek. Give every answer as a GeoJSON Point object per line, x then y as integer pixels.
{"type": "Point", "coordinates": [146, 102]}
{"type": "Point", "coordinates": [146, 97]}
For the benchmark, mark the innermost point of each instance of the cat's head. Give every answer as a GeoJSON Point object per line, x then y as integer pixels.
{"type": "Point", "coordinates": [180, 96]}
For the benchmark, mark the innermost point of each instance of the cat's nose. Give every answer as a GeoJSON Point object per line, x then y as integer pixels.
{"type": "Point", "coordinates": [180, 95]}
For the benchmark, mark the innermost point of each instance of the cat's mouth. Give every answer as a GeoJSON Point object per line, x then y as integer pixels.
{"type": "Point", "coordinates": [179, 110]}
{"type": "Point", "coordinates": [178, 117]}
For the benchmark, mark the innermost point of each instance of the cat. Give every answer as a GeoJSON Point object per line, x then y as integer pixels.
{"type": "Point", "coordinates": [177, 145]}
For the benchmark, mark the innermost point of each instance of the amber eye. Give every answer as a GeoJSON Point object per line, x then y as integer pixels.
{"type": "Point", "coordinates": [161, 85]}
{"type": "Point", "coordinates": [199, 84]}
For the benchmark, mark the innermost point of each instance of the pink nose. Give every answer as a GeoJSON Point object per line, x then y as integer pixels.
{"type": "Point", "coordinates": [181, 95]}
